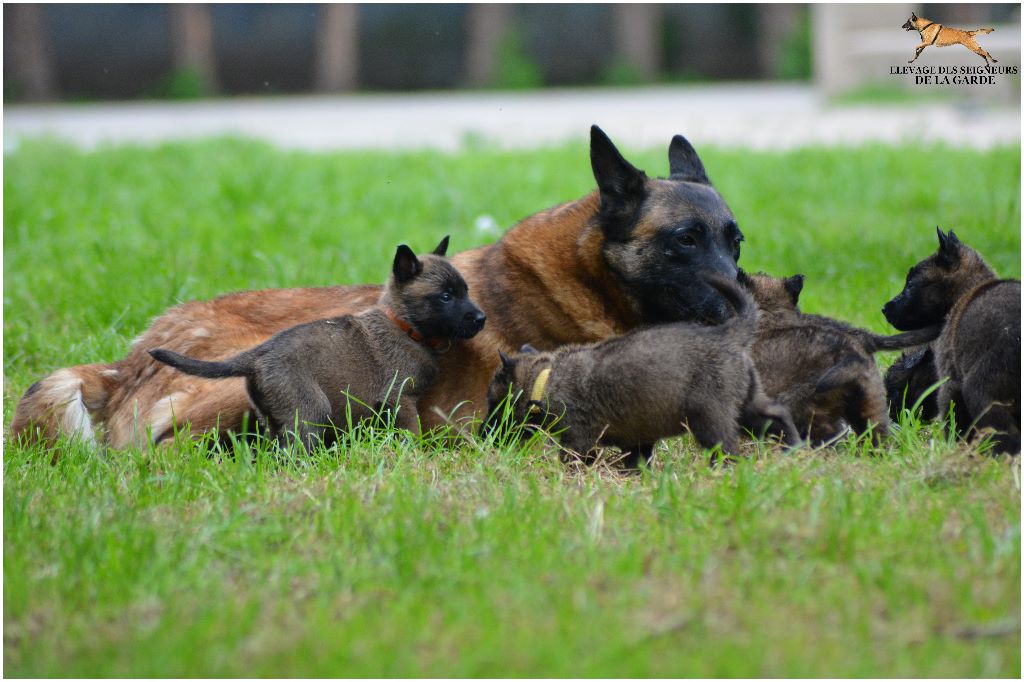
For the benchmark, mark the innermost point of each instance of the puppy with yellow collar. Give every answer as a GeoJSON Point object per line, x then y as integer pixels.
{"type": "Point", "coordinates": [631, 391]}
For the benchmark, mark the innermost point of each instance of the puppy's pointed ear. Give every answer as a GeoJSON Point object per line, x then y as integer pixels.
{"type": "Point", "coordinates": [406, 265]}
{"type": "Point", "coordinates": [506, 361]}
{"type": "Point", "coordinates": [442, 248]}
{"type": "Point", "coordinates": [794, 285]}
{"type": "Point", "coordinates": [949, 248]}
{"type": "Point", "coordinates": [527, 348]}
{"type": "Point", "coordinates": [620, 183]}
{"type": "Point", "coordinates": [683, 162]}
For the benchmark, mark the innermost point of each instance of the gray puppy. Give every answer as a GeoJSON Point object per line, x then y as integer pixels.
{"type": "Point", "coordinates": [631, 391]}
{"type": "Point", "coordinates": [321, 374]}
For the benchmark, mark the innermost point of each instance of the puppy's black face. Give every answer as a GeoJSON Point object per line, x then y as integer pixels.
{"type": "Point", "coordinates": [662, 235]}
{"type": "Point", "coordinates": [437, 302]}
{"type": "Point", "coordinates": [430, 294]}
{"type": "Point", "coordinates": [930, 288]}
{"type": "Point", "coordinates": [501, 395]}
{"type": "Point", "coordinates": [922, 301]}
{"type": "Point", "coordinates": [507, 404]}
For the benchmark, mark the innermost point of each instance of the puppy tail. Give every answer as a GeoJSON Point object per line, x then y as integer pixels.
{"type": "Point", "coordinates": [915, 337]}
{"type": "Point", "coordinates": [747, 312]}
{"type": "Point", "coordinates": [238, 366]}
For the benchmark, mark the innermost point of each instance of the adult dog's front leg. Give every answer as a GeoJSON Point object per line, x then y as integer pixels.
{"type": "Point", "coordinates": [917, 52]}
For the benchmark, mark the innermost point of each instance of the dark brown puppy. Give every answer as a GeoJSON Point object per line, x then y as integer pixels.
{"type": "Point", "coordinates": [978, 352]}
{"type": "Point", "coordinates": [908, 379]}
{"type": "Point", "coordinates": [821, 369]}
{"type": "Point", "coordinates": [319, 375]}
{"type": "Point", "coordinates": [630, 253]}
{"type": "Point", "coordinates": [630, 392]}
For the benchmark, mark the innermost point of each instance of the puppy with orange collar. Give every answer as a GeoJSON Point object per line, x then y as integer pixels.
{"type": "Point", "coordinates": [330, 374]}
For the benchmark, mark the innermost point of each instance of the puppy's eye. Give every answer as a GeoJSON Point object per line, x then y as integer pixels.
{"type": "Point", "coordinates": [736, 240]}
{"type": "Point", "coordinates": [445, 297]}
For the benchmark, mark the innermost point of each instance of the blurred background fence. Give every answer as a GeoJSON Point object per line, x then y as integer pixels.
{"type": "Point", "coordinates": [93, 52]}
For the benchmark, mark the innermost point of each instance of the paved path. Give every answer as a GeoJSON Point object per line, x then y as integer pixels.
{"type": "Point", "coordinates": [757, 116]}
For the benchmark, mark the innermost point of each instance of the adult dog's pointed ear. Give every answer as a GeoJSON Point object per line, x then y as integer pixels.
{"type": "Point", "coordinates": [442, 248]}
{"type": "Point", "coordinates": [683, 162]}
{"type": "Point", "coordinates": [406, 265]}
{"type": "Point", "coordinates": [620, 183]}
{"type": "Point", "coordinates": [793, 286]}
{"type": "Point", "coordinates": [949, 248]}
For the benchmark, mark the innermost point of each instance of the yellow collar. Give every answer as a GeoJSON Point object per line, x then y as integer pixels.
{"type": "Point", "coordinates": [537, 393]}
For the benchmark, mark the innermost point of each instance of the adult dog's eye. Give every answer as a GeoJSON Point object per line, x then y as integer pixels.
{"type": "Point", "coordinates": [686, 239]}
{"type": "Point", "coordinates": [445, 297]}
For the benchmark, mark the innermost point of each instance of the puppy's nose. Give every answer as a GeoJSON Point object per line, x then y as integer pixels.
{"type": "Point", "coordinates": [479, 319]}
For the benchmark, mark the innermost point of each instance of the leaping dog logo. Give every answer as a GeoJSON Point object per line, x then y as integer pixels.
{"type": "Point", "coordinates": [936, 34]}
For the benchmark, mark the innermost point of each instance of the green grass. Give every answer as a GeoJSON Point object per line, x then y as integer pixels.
{"type": "Point", "coordinates": [394, 557]}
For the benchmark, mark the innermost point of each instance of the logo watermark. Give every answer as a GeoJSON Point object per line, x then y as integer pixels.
{"type": "Point", "coordinates": [933, 33]}
{"type": "Point", "coordinates": [953, 75]}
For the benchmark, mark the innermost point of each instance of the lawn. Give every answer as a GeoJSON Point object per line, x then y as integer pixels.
{"type": "Point", "coordinates": [397, 557]}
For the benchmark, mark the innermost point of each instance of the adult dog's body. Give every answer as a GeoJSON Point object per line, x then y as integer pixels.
{"type": "Point", "coordinates": [934, 33]}
{"type": "Point", "coordinates": [625, 255]}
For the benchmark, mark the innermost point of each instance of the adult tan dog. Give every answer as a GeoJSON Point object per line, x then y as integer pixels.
{"type": "Point", "coordinates": [933, 33]}
{"type": "Point", "coordinates": [630, 253]}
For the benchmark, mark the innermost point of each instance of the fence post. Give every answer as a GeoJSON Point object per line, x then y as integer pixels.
{"type": "Point", "coordinates": [337, 48]}
{"type": "Point", "coordinates": [31, 54]}
{"type": "Point", "coordinates": [486, 25]}
{"type": "Point", "coordinates": [192, 43]}
{"type": "Point", "coordinates": [638, 37]}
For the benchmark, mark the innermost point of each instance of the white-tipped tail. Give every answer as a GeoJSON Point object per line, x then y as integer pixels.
{"type": "Point", "coordinates": [62, 404]}
{"type": "Point", "coordinates": [66, 389]}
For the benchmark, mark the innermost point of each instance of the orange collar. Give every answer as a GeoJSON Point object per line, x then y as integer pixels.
{"type": "Point", "coordinates": [413, 334]}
